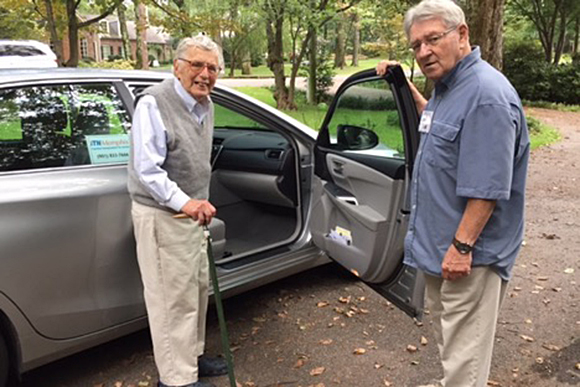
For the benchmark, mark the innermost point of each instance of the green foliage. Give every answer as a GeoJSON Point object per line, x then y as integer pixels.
{"type": "Point", "coordinates": [324, 71]}
{"type": "Point", "coordinates": [536, 80]}
{"type": "Point", "coordinates": [118, 64]}
{"type": "Point", "coordinates": [541, 134]}
{"type": "Point", "coordinates": [552, 105]}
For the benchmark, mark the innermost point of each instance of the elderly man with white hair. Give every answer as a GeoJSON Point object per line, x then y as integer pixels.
{"type": "Point", "coordinates": [169, 173]}
{"type": "Point", "coordinates": [467, 195]}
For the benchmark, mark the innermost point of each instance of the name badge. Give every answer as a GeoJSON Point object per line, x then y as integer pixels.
{"type": "Point", "coordinates": [425, 124]}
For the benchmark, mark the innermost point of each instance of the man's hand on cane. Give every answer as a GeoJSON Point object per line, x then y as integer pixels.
{"type": "Point", "coordinates": [201, 210]}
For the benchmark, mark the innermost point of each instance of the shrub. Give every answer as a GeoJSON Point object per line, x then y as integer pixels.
{"type": "Point", "coordinates": [536, 80]}
{"type": "Point", "coordinates": [116, 64]}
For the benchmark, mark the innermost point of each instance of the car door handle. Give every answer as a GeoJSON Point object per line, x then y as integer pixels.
{"type": "Point", "coordinates": [338, 168]}
{"type": "Point", "coordinates": [348, 199]}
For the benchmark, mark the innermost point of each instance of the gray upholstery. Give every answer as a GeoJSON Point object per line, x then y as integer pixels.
{"type": "Point", "coordinates": [217, 230]}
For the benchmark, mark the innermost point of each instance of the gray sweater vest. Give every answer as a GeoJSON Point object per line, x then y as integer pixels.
{"type": "Point", "coordinates": [188, 147]}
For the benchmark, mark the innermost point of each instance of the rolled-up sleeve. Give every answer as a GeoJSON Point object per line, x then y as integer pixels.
{"type": "Point", "coordinates": [149, 152]}
{"type": "Point", "coordinates": [486, 153]}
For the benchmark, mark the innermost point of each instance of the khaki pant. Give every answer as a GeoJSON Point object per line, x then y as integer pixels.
{"type": "Point", "coordinates": [465, 313]}
{"type": "Point", "coordinates": [173, 262]}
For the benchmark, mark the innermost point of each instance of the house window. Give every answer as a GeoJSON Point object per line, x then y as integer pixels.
{"type": "Point", "coordinates": [84, 48]}
{"type": "Point", "coordinates": [114, 28]}
{"type": "Point", "coordinates": [106, 51]}
{"type": "Point", "coordinates": [104, 27]}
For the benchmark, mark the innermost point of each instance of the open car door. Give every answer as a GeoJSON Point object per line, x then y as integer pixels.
{"type": "Point", "coordinates": [363, 163]}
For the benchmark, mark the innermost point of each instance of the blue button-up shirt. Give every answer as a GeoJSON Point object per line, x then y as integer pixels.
{"type": "Point", "coordinates": [477, 146]}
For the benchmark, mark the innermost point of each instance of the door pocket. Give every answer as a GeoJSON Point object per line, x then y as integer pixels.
{"type": "Point", "coordinates": [442, 148]}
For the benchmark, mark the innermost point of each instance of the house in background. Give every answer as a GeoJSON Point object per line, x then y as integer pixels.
{"type": "Point", "coordinates": [106, 42]}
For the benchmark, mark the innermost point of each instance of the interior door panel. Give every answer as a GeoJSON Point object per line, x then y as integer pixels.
{"type": "Point", "coordinates": [359, 214]}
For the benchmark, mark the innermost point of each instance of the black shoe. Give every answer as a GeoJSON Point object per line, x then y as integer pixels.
{"type": "Point", "coordinates": [199, 383]}
{"type": "Point", "coordinates": [211, 366]}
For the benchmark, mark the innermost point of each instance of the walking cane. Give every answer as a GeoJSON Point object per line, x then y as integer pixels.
{"type": "Point", "coordinates": [218, 303]}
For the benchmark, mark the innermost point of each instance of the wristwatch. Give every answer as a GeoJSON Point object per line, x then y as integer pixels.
{"type": "Point", "coordinates": [463, 248]}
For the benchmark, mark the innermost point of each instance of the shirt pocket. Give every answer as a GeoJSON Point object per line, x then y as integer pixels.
{"type": "Point", "coordinates": [442, 148]}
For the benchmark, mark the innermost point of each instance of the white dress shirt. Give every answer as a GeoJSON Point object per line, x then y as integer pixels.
{"type": "Point", "coordinates": [150, 147]}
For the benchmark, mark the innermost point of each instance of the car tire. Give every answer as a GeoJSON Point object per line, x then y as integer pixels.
{"type": "Point", "coordinates": [4, 362]}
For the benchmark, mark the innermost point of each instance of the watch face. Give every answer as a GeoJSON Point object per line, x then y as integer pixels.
{"type": "Point", "coordinates": [463, 248]}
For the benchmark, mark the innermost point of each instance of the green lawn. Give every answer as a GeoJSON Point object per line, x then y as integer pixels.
{"type": "Point", "coordinates": [264, 71]}
{"type": "Point", "coordinates": [313, 116]}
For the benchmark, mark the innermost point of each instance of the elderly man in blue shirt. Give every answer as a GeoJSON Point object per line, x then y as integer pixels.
{"type": "Point", "coordinates": [467, 193]}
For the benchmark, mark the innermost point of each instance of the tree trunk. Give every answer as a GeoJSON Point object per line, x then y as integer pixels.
{"type": "Point", "coordinates": [140, 35]}
{"type": "Point", "coordinates": [339, 52]}
{"type": "Point", "coordinates": [312, 67]}
{"type": "Point", "coordinates": [561, 37]}
{"type": "Point", "coordinates": [576, 51]}
{"type": "Point", "coordinates": [246, 62]}
{"type": "Point", "coordinates": [485, 23]}
{"type": "Point", "coordinates": [124, 32]}
{"type": "Point", "coordinates": [56, 41]}
{"type": "Point", "coordinates": [274, 30]}
{"type": "Point", "coordinates": [73, 33]}
{"type": "Point", "coordinates": [355, 40]}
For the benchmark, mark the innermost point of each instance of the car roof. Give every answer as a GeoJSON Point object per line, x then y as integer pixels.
{"type": "Point", "coordinates": [56, 74]}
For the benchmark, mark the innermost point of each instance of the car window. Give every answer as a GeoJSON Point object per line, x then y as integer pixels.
{"type": "Point", "coordinates": [371, 105]}
{"type": "Point", "coordinates": [225, 118]}
{"type": "Point", "coordinates": [19, 50]}
{"type": "Point", "coordinates": [59, 126]}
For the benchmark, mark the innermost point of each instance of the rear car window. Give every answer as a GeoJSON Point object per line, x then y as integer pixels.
{"type": "Point", "coordinates": [18, 50]}
{"type": "Point", "coordinates": [60, 126]}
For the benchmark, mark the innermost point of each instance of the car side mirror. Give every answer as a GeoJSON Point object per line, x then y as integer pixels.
{"type": "Point", "coordinates": [350, 137]}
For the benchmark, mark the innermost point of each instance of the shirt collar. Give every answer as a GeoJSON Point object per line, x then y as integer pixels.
{"type": "Point", "coordinates": [469, 60]}
{"type": "Point", "coordinates": [192, 105]}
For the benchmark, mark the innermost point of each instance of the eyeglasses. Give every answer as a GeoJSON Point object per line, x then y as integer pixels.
{"type": "Point", "coordinates": [430, 41]}
{"type": "Point", "coordinates": [198, 66]}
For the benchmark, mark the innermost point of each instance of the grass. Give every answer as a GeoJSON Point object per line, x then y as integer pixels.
{"type": "Point", "coordinates": [553, 106]}
{"type": "Point", "coordinates": [264, 72]}
{"type": "Point", "coordinates": [540, 134]}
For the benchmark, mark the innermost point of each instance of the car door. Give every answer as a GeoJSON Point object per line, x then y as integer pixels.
{"type": "Point", "coordinates": [363, 162]}
{"type": "Point", "coordinates": [68, 255]}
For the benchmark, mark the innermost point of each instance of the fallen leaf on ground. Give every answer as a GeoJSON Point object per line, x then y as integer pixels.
{"type": "Point", "coordinates": [377, 366]}
{"type": "Point", "coordinates": [411, 348]}
{"type": "Point", "coordinates": [359, 351]}
{"type": "Point", "coordinates": [527, 338]}
{"type": "Point", "coordinates": [540, 360]}
{"type": "Point", "coordinates": [387, 383]}
{"type": "Point", "coordinates": [344, 300]}
{"type": "Point", "coordinates": [424, 340]}
{"type": "Point", "coordinates": [551, 347]}
{"type": "Point", "coordinates": [543, 278]}
{"type": "Point", "coordinates": [557, 290]}
{"type": "Point", "coordinates": [493, 383]}
{"type": "Point", "coordinates": [325, 342]}
{"type": "Point", "coordinates": [550, 236]}
{"type": "Point", "coordinates": [322, 304]}
{"type": "Point", "coordinates": [299, 363]}
{"type": "Point", "coordinates": [317, 371]}
{"type": "Point", "coordinates": [569, 270]}
{"type": "Point", "coordinates": [118, 384]}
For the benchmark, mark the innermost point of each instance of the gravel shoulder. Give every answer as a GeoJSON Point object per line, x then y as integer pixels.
{"type": "Point", "coordinates": [324, 328]}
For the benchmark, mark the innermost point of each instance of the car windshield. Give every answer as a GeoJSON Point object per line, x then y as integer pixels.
{"type": "Point", "coordinates": [14, 50]}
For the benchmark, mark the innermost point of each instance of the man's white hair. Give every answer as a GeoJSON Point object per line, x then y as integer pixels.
{"type": "Point", "coordinates": [200, 41]}
{"type": "Point", "coordinates": [445, 10]}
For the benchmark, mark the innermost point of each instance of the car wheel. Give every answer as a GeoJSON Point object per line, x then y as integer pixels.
{"type": "Point", "coordinates": [3, 362]}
